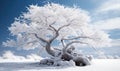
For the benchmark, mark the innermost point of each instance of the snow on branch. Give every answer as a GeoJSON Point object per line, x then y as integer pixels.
{"type": "Point", "coordinates": [53, 22]}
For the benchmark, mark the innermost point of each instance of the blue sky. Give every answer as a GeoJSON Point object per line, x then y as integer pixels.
{"type": "Point", "coordinates": [100, 11]}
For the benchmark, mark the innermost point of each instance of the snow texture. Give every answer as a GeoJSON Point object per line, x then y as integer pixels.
{"type": "Point", "coordinates": [97, 65]}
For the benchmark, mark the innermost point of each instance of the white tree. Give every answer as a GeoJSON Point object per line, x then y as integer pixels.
{"type": "Point", "coordinates": [42, 25]}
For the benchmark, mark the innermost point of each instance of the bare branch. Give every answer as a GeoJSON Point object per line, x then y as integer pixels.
{"type": "Point", "coordinates": [54, 37]}
{"type": "Point", "coordinates": [63, 27]}
{"type": "Point", "coordinates": [34, 42]}
{"type": "Point", "coordinates": [62, 41]}
{"type": "Point", "coordinates": [57, 49]}
{"type": "Point", "coordinates": [77, 38]}
{"type": "Point", "coordinates": [53, 27]}
{"type": "Point", "coordinates": [74, 42]}
{"type": "Point", "coordinates": [56, 32]}
{"type": "Point", "coordinates": [41, 39]}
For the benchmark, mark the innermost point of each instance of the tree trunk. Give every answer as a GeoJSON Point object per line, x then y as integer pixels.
{"type": "Point", "coordinates": [50, 50]}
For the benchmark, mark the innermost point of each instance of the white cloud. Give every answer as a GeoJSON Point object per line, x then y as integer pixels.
{"type": "Point", "coordinates": [109, 5]}
{"type": "Point", "coordinates": [106, 17]}
{"type": "Point", "coordinates": [109, 24]}
{"type": "Point", "coordinates": [9, 56]}
{"type": "Point", "coordinates": [106, 9]}
{"type": "Point", "coordinates": [116, 42]}
{"type": "Point", "coordinates": [33, 57]}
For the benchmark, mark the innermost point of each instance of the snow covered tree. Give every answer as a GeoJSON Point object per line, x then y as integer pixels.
{"type": "Point", "coordinates": [40, 26]}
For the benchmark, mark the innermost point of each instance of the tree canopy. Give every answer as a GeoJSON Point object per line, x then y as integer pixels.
{"type": "Point", "coordinates": [41, 25]}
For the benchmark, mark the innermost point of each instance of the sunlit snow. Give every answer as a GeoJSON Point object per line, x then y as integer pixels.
{"type": "Point", "coordinates": [96, 65]}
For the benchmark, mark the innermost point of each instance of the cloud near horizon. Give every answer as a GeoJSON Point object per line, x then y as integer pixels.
{"type": "Point", "coordinates": [9, 56]}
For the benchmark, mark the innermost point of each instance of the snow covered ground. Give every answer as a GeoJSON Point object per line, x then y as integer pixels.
{"type": "Point", "coordinates": [97, 65]}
